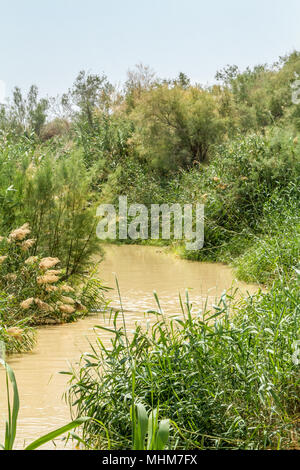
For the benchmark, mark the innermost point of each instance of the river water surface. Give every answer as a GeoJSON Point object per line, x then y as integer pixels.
{"type": "Point", "coordinates": [140, 271]}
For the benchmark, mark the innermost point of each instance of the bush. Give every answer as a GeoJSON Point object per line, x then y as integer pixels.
{"type": "Point", "coordinates": [246, 175]}
{"type": "Point", "coordinates": [176, 127]}
{"type": "Point", "coordinates": [34, 283]}
{"type": "Point", "coordinates": [14, 333]}
{"type": "Point", "coordinates": [56, 128]}
{"type": "Point", "coordinates": [276, 252]}
{"type": "Point", "coordinates": [55, 195]}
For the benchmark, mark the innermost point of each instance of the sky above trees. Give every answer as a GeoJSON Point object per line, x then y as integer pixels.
{"type": "Point", "coordinates": [48, 42]}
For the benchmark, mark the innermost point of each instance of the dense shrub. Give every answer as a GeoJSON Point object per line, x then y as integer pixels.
{"type": "Point", "coordinates": [276, 251]}
{"type": "Point", "coordinates": [33, 291]}
{"type": "Point", "coordinates": [236, 188]}
{"type": "Point", "coordinates": [34, 283]}
{"type": "Point", "coordinates": [55, 195]}
{"type": "Point", "coordinates": [55, 128]}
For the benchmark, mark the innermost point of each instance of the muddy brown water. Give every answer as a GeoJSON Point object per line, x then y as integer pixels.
{"type": "Point", "coordinates": [140, 271]}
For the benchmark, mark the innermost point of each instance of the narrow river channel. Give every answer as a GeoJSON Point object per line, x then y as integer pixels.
{"type": "Point", "coordinates": [140, 271]}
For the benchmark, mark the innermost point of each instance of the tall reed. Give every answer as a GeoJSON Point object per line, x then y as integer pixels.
{"type": "Point", "coordinates": [226, 377]}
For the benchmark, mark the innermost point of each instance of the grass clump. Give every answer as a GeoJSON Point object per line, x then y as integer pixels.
{"type": "Point", "coordinates": [276, 251]}
{"type": "Point", "coordinates": [225, 377]}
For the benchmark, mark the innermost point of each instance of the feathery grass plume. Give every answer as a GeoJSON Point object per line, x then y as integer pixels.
{"type": "Point", "coordinates": [14, 332]}
{"type": "Point", "coordinates": [19, 233]}
{"type": "Point", "coordinates": [67, 300]}
{"type": "Point", "coordinates": [3, 258]}
{"type": "Point", "coordinates": [27, 244]}
{"type": "Point", "coordinates": [43, 305]}
{"type": "Point", "coordinates": [47, 279]}
{"type": "Point", "coordinates": [31, 260]}
{"type": "Point", "coordinates": [53, 272]}
{"type": "Point", "coordinates": [80, 307]}
{"type": "Point", "coordinates": [66, 308]}
{"type": "Point", "coordinates": [11, 277]}
{"type": "Point", "coordinates": [47, 263]}
{"type": "Point", "coordinates": [66, 288]}
{"type": "Point", "coordinates": [50, 289]}
{"type": "Point", "coordinates": [26, 304]}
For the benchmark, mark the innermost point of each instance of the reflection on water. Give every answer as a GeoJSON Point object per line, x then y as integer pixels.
{"type": "Point", "coordinates": [140, 271]}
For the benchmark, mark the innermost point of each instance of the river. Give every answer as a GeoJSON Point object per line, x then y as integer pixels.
{"type": "Point", "coordinates": [140, 271]}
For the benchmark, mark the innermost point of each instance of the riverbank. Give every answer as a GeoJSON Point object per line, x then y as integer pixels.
{"type": "Point", "coordinates": [140, 271]}
{"type": "Point", "coordinates": [226, 376]}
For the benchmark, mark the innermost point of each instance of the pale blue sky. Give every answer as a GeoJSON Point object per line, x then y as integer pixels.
{"type": "Point", "coordinates": [47, 42]}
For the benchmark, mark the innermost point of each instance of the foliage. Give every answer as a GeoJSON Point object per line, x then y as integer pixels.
{"type": "Point", "coordinates": [175, 127]}
{"type": "Point", "coordinates": [34, 282]}
{"type": "Point", "coordinates": [107, 144]}
{"type": "Point", "coordinates": [225, 377]}
{"type": "Point", "coordinates": [24, 114]}
{"type": "Point", "coordinates": [33, 292]}
{"type": "Point", "coordinates": [276, 252]}
{"type": "Point", "coordinates": [157, 434]}
{"type": "Point", "coordinates": [261, 96]}
{"type": "Point", "coordinates": [15, 333]}
{"type": "Point", "coordinates": [238, 188]}
{"type": "Point", "coordinates": [55, 195]}
{"type": "Point", "coordinates": [250, 194]}
{"type": "Point", "coordinates": [86, 94]}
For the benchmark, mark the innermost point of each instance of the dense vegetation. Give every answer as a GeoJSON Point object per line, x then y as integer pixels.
{"type": "Point", "coordinates": [226, 379]}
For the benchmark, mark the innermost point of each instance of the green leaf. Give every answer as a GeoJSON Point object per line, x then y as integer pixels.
{"type": "Point", "coordinates": [52, 435]}
{"type": "Point", "coordinates": [152, 426]}
{"type": "Point", "coordinates": [11, 425]}
{"type": "Point", "coordinates": [163, 434]}
{"type": "Point", "coordinates": [142, 425]}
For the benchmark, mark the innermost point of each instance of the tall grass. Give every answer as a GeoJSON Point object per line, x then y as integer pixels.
{"type": "Point", "coordinates": [33, 292]}
{"type": "Point", "coordinates": [276, 250]}
{"type": "Point", "coordinates": [225, 377]}
{"type": "Point", "coordinates": [49, 186]}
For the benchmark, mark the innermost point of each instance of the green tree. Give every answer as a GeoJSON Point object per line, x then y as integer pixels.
{"type": "Point", "coordinates": [175, 127]}
{"type": "Point", "coordinates": [25, 114]}
{"type": "Point", "coordinates": [88, 92]}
